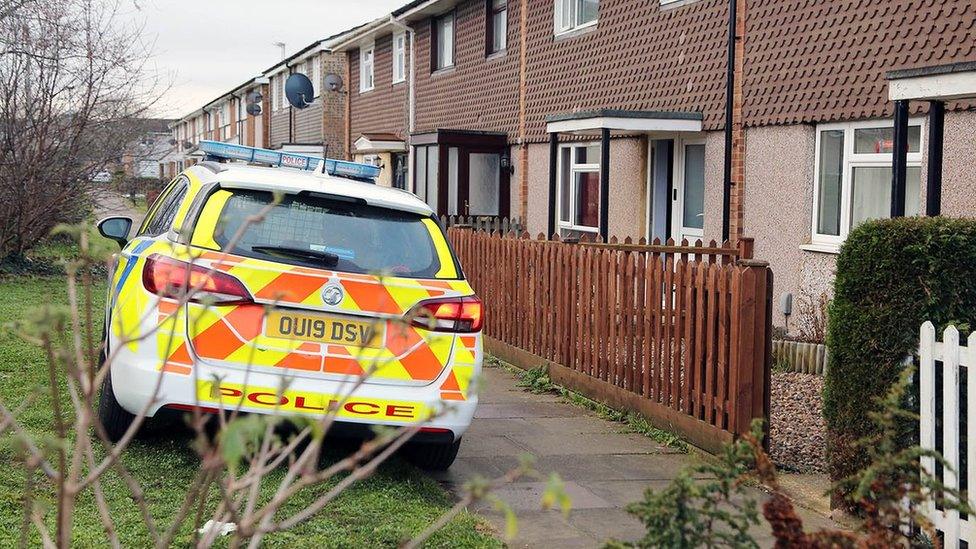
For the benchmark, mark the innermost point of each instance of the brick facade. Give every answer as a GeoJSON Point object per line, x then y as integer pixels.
{"type": "Point", "coordinates": [383, 109]}
{"type": "Point", "coordinates": [478, 93]}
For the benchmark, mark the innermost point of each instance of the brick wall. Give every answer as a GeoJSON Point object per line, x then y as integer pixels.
{"type": "Point", "coordinates": [477, 93]}
{"type": "Point", "coordinates": [384, 108]}
{"type": "Point", "coordinates": [333, 107]}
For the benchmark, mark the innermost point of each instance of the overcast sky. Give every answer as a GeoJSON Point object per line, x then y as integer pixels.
{"type": "Point", "coordinates": [206, 47]}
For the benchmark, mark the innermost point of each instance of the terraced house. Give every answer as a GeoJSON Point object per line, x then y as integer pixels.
{"type": "Point", "coordinates": [609, 116]}
{"type": "Point", "coordinates": [626, 117]}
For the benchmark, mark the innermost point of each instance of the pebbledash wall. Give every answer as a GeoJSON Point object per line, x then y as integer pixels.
{"type": "Point", "coordinates": [779, 200]}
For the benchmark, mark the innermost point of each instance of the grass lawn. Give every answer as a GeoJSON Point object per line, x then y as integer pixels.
{"type": "Point", "coordinates": [397, 502]}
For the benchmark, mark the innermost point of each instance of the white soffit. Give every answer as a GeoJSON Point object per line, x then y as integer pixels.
{"type": "Point", "coordinates": [366, 145]}
{"type": "Point", "coordinates": [946, 82]}
{"type": "Point", "coordinates": [644, 125]}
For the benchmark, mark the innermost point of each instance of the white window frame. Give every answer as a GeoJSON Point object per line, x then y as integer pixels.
{"type": "Point", "coordinates": [225, 120]}
{"type": "Point", "coordinates": [399, 57]}
{"type": "Point", "coordinates": [367, 50]}
{"type": "Point", "coordinates": [831, 243]}
{"type": "Point", "coordinates": [493, 7]}
{"type": "Point", "coordinates": [440, 45]}
{"type": "Point", "coordinates": [573, 22]}
{"type": "Point", "coordinates": [275, 92]}
{"type": "Point", "coordinates": [315, 75]}
{"type": "Point", "coordinates": [575, 168]}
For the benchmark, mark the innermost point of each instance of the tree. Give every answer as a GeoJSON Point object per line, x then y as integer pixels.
{"type": "Point", "coordinates": [73, 83]}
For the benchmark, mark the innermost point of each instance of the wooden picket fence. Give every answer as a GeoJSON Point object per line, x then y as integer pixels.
{"type": "Point", "coordinates": [680, 334]}
{"type": "Point", "coordinates": [944, 402]}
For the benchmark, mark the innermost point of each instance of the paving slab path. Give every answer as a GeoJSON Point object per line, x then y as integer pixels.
{"type": "Point", "coordinates": [109, 203]}
{"type": "Point", "coordinates": [603, 466]}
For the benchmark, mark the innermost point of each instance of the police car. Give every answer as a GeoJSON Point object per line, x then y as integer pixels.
{"type": "Point", "coordinates": [312, 291]}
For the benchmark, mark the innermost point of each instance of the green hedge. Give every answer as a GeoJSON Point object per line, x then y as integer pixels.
{"type": "Point", "coordinates": [892, 275]}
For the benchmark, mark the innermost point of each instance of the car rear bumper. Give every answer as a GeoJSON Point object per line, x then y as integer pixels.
{"type": "Point", "coordinates": [139, 385]}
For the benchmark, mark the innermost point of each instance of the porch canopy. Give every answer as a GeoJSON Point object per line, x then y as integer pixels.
{"type": "Point", "coordinates": [936, 84]}
{"type": "Point", "coordinates": [602, 122]}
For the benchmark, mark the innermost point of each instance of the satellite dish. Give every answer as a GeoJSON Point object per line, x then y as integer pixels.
{"type": "Point", "coordinates": [253, 109]}
{"type": "Point", "coordinates": [172, 141]}
{"type": "Point", "coordinates": [254, 97]}
{"type": "Point", "coordinates": [187, 145]}
{"type": "Point", "coordinates": [333, 82]}
{"type": "Point", "coordinates": [298, 90]}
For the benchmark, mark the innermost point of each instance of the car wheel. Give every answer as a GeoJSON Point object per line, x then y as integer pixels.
{"type": "Point", "coordinates": [433, 456]}
{"type": "Point", "coordinates": [115, 419]}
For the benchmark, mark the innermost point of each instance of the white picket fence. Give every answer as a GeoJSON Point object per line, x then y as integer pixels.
{"type": "Point", "coordinates": [952, 358]}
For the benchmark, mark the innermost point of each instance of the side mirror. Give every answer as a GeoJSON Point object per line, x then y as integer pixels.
{"type": "Point", "coordinates": [116, 228]}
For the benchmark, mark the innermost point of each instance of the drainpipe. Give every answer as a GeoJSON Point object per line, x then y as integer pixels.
{"type": "Point", "coordinates": [729, 92]}
{"type": "Point", "coordinates": [899, 158]}
{"type": "Point", "coordinates": [411, 97]}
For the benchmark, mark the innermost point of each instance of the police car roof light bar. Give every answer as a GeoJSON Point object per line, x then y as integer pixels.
{"type": "Point", "coordinates": [342, 168]}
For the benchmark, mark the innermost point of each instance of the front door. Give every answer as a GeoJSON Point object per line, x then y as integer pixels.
{"type": "Point", "coordinates": [476, 183]}
{"type": "Point", "coordinates": [688, 195]}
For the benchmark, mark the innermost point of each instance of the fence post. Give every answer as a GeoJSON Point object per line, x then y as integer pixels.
{"type": "Point", "coordinates": [750, 348]}
{"type": "Point", "coordinates": [926, 375]}
{"type": "Point", "coordinates": [950, 427]}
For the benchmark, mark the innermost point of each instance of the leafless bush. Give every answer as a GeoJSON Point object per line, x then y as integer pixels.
{"type": "Point", "coordinates": [811, 319]}
{"type": "Point", "coordinates": [235, 456]}
{"type": "Point", "coordinates": [73, 83]}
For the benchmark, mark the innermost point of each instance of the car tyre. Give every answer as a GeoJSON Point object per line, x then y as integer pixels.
{"type": "Point", "coordinates": [115, 419]}
{"type": "Point", "coordinates": [433, 456]}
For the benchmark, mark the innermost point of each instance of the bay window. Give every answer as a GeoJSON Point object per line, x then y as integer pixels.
{"type": "Point", "coordinates": [852, 177]}
{"type": "Point", "coordinates": [575, 14]}
{"type": "Point", "coordinates": [579, 187]}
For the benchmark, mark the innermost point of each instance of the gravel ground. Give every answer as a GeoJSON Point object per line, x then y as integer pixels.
{"type": "Point", "coordinates": [797, 429]}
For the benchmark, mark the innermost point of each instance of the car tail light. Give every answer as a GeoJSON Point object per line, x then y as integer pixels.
{"type": "Point", "coordinates": [451, 314]}
{"type": "Point", "coordinates": [169, 277]}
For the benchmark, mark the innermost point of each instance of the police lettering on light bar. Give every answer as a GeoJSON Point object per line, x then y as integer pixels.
{"type": "Point", "coordinates": [341, 168]}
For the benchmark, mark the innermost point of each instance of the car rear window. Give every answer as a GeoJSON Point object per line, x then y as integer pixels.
{"type": "Point", "coordinates": [355, 237]}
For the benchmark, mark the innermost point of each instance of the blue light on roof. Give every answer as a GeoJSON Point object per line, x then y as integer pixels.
{"type": "Point", "coordinates": [340, 168]}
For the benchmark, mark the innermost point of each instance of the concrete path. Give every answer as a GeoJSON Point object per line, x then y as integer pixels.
{"type": "Point", "coordinates": [109, 203]}
{"type": "Point", "coordinates": [604, 467]}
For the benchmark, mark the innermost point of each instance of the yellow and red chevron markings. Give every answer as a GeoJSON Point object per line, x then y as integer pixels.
{"type": "Point", "coordinates": [234, 334]}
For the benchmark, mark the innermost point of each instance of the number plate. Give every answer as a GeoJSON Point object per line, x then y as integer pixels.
{"type": "Point", "coordinates": [323, 329]}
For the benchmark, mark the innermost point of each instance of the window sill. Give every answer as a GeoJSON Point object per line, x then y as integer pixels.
{"type": "Point", "coordinates": [440, 72]}
{"type": "Point", "coordinates": [367, 90]}
{"type": "Point", "coordinates": [822, 248]}
{"type": "Point", "coordinates": [401, 81]}
{"type": "Point", "coordinates": [500, 54]}
{"type": "Point", "coordinates": [580, 229]}
{"type": "Point", "coordinates": [574, 32]}
{"type": "Point", "coordinates": [673, 4]}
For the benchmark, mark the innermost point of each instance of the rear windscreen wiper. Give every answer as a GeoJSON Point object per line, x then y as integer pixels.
{"type": "Point", "coordinates": [325, 258]}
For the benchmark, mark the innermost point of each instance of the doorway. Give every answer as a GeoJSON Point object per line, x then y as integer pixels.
{"type": "Point", "coordinates": [462, 172]}
{"type": "Point", "coordinates": [676, 189]}
{"type": "Point", "coordinates": [688, 197]}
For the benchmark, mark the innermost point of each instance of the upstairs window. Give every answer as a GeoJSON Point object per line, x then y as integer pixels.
{"type": "Point", "coordinates": [852, 178]}
{"type": "Point", "coordinates": [399, 57]}
{"type": "Point", "coordinates": [575, 14]}
{"type": "Point", "coordinates": [275, 97]}
{"type": "Point", "coordinates": [497, 25]}
{"type": "Point", "coordinates": [315, 75]}
{"type": "Point", "coordinates": [366, 54]}
{"type": "Point", "coordinates": [442, 43]}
